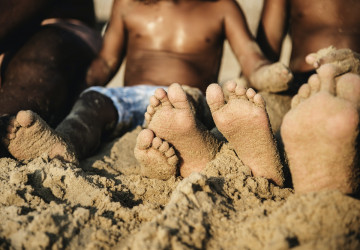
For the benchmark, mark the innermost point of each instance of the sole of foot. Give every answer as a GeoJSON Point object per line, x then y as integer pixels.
{"type": "Point", "coordinates": [320, 133]}
{"type": "Point", "coordinates": [29, 137]}
{"type": "Point", "coordinates": [245, 124]}
{"type": "Point", "coordinates": [171, 118]}
{"type": "Point", "coordinates": [156, 157]}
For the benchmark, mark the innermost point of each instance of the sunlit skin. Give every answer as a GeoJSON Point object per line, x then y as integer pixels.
{"type": "Point", "coordinates": [312, 25]}
{"type": "Point", "coordinates": [174, 41]}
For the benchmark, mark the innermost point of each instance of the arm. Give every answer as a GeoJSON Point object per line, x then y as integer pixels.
{"type": "Point", "coordinates": [112, 53]}
{"type": "Point", "coordinates": [273, 27]}
{"type": "Point", "coordinates": [262, 74]}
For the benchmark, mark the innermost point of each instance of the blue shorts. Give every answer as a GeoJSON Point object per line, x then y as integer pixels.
{"type": "Point", "coordinates": [130, 102]}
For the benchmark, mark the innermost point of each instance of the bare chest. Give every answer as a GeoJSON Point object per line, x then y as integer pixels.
{"type": "Point", "coordinates": [182, 29]}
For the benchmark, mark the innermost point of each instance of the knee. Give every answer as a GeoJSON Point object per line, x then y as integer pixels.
{"type": "Point", "coordinates": [95, 100]}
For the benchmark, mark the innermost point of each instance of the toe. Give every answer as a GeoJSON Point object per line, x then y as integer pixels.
{"type": "Point", "coordinates": [312, 60]}
{"type": "Point", "coordinates": [250, 93]}
{"type": "Point", "coordinates": [177, 97]}
{"type": "Point", "coordinates": [170, 152]}
{"type": "Point", "coordinates": [144, 139]}
{"type": "Point", "coordinates": [147, 117]}
{"type": "Point", "coordinates": [150, 110]}
{"type": "Point", "coordinates": [154, 101]}
{"type": "Point", "coordinates": [295, 101]}
{"type": "Point", "coordinates": [25, 118]}
{"type": "Point", "coordinates": [240, 92]}
{"type": "Point", "coordinates": [259, 101]}
{"type": "Point", "coordinates": [304, 91]}
{"type": "Point", "coordinates": [173, 160]}
{"type": "Point", "coordinates": [164, 147]}
{"type": "Point", "coordinates": [348, 87]}
{"type": "Point", "coordinates": [156, 143]}
{"type": "Point", "coordinates": [230, 88]}
{"type": "Point", "coordinates": [215, 97]}
{"type": "Point", "coordinates": [327, 78]}
{"type": "Point", "coordinates": [314, 83]}
{"type": "Point", "coordinates": [162, 96]}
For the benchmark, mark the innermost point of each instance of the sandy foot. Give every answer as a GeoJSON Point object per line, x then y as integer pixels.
{"type": "Point", "coordinates": [344, 60]}
{"type": "Point", "coordinates": [156, 157]}
{"type": "Point", "coordinates": [245, 124]}
{"type": "Point", "coordinates": [320, 134]}
{"type": "Point", "coordinates": [272, 78]}
{"type": "Point", "coordinates": [170, 117]}
{"type": "Point", "coordinates": [29, 137]}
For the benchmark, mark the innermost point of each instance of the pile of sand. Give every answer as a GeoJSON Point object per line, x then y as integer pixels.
{"type": "Point", "coordinates": [104, 203]}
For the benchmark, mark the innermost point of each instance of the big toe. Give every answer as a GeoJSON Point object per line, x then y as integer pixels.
{"type": "Point", "coordinates": [177, 96]}
{"type": "Point", "coordinates": [144, 139]}
{"type": "Point", "coordinates": [25, 118]}
{"type": "Point", "coordinates": [215, 97]}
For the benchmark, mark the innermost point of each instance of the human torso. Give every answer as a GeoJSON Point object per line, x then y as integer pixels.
{"type": "Point", "coordinates": [173, 42]}
{"type": "Point", "coordinates": [321, 23]}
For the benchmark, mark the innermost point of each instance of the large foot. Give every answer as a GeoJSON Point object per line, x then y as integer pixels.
{"type": "Point", "coordinates": [245, 124]}
{"type": "Point", "coordinates": [320, 133]}
{"type": "Point", "coordinates": [29, 137]}
{"type": "Point", "coordinates": [156, 157]}
{"type": "Point", "coordinates": [170, 117]}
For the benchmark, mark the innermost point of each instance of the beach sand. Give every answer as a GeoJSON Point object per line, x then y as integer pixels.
{"type": "Point", "coordinates": [105, 204]}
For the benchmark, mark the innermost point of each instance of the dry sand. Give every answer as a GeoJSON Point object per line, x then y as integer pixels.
{"type": "Point", "coordinates": [106, 204]}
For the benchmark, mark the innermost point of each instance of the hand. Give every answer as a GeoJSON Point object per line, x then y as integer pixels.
{"type": "Point", "coordinates": [344, 60]}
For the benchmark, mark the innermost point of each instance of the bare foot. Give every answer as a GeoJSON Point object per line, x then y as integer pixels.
{"type": "Point", "coordinates": [320, 134]}
{"type": "Point", "coordinates": [245, 124]}
{"type": "Point", "coordinates": [156, 157]}
{"type": "Point", "coordinates": [344, 60]}
{"type": "Point", "coordinates": [272, 78]}
{"type": "Point", "coordinates": [29, 137]}
{"type": "Point", "coordinates": [172, 119]}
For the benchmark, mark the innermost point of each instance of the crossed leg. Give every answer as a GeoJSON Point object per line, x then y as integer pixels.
{"type": "Point", "coordinates": [320, 133]}
{"type": "Point", "coordinates": [172, 119]}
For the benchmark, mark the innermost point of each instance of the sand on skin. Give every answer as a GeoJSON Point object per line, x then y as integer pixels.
{"type": "Point", "coordinates": [106, 203]}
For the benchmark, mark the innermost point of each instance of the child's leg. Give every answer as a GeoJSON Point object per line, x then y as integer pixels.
{"type": "Point", "coordinates": [28, 136]}
{"type": "Point", "coordinates": [98, 110]}
{"type": "Point", "coordinates": [46, 74]}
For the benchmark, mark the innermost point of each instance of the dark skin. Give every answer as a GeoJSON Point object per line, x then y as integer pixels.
{"type": "Point", "coordinates": [44, 66]}
{"type": "Point", "coordinates": [175, 41]}
{"type": "Point", "coordinates": [312, 25]}
{"type": "Point", "coordinates": [164, 42]}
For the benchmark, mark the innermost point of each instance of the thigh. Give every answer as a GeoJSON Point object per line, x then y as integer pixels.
{"type": "Point", "coordinates": [45, 74]}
